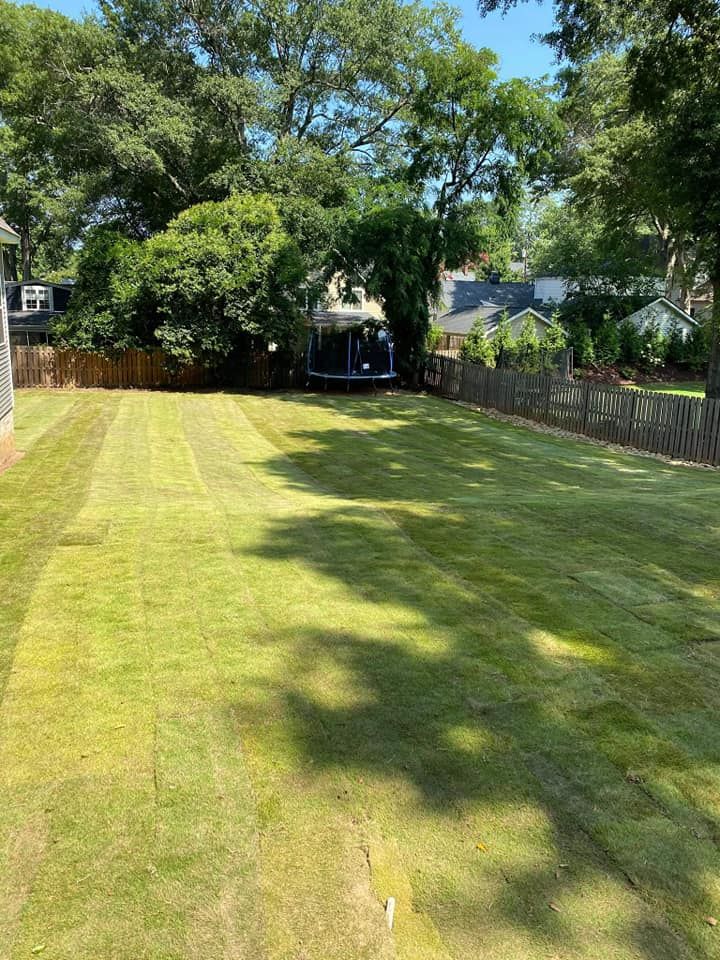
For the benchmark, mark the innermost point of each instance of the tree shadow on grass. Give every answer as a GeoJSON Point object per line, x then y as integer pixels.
{"type": "Point", "coordinates": [485, 686]}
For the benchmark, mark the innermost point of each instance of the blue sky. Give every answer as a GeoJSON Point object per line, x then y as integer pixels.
{"type": "Point", "coordinates": [511, 36]}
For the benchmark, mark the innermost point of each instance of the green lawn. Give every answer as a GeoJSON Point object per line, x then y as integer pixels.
{"type": "Point", "coordinates": [268, 660]}
{"type": "Point", "coordinates": [693, 388]}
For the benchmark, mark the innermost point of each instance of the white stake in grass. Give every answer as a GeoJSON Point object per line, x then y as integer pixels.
{"type": "Point", "coordinates": [390, 911]}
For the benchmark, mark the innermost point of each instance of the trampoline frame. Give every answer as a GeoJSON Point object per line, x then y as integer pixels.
{"type": "Point", "coordinates": [349, 377]}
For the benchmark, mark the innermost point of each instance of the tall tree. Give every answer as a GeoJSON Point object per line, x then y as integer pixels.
{"type": "Point", "coordinates": [576, 241]}
{"type": "Point", "coordinates": [672, 57]}
{"type": "Point", "coordinates": [613, 165]}
{"type": "Point", "coordinates": [470, 138]}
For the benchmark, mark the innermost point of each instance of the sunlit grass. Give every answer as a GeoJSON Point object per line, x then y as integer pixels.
{"type": "Point", "coordinates": [267, 661]}
{"type": "Point", "coordinates": [694, 388]}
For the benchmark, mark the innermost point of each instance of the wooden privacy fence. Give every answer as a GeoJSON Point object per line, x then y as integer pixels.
{"type": "Point", "coordinates": [52, 367]}
{"type": "Point", "coordinates": [686, 428]}
{"type": "Point", "coordinates": [450, 342]}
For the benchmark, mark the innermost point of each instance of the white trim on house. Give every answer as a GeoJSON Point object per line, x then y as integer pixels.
{"type": "Point", "coordinates": [539, 316]}
{"type": "Point", "coordinates": [37, 296]}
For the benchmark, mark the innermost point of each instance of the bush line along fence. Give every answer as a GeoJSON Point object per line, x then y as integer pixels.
{"type": "Point", "coordinates": [52, 367]}
{"type": "Point", "coordinates": [685, 428]}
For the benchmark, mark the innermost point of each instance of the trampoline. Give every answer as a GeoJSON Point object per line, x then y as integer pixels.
{"type": "Point", "coordinates": [348, 350]}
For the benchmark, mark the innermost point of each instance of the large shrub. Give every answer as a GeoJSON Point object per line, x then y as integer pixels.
{"type": "Point", "coordinates": [434, 336]}
{"type": "Point", "coordinates": [675, 344]}
{"type": "Point", "coordinates": [476, 347]}
{"type": "Point", "coordinates": [555, 340]}
{"type": "Point", "coordinates": [697, 348]}
{"type": "Point", "coordinates": [220, 273]}
{"type": "Point", "coordinates": [630, 342]}
{"type": "Point", "coordinates": [527, 347]}
{"type": "Point", "coordinates": [653, 349]}
{"type": "Point", "coordinates": [607, 341]}
{"type": "Point", "coordinates": [580, 339]}
{"type": "Point", "coordinates": [103, 311]}
{"type": "Point", "coordinates": [503, 343]}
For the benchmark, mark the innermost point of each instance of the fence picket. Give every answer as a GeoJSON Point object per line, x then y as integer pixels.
{"type": "Point", "coordinates": [682, 427]}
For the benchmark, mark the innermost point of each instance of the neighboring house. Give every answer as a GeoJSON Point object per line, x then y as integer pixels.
{"type": "Point", "coordinates": [557, 289]}
{"type": "Point", "coordinates": [464, 300]}
{"type": "Point", "coordinates": [334, 306]}
{"type": "Point", "coordinates": [7, 441]}
{"type": "Point", "coordinates": [31, 306]}
{"type": "Point", "coordinates": [664, 313]}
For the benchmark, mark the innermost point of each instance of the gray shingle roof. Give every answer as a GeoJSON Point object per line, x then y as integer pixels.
{"type": "Point", "coordinates": [463, 301]}
{"type": "Point", "coordinates": [30, 319]}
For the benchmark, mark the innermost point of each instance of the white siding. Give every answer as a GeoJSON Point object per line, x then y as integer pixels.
{"type": "Point", "coordinates": [552, 289]}
{"type": "Point", "coordinates": [6, 391]}
{"type": "Point", "coordinates": [663, 315]}
{"type": "Point", "coordinates": [516, 325]}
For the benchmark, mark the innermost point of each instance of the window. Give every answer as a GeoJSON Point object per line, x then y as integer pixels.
{"type": "Point", "coordinates": [356, 301]}
{"type": "Point", "coordinates": [37, 298]}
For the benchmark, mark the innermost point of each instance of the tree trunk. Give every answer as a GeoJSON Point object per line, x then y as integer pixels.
{"type": "Point", "coordinates": [26, 253]}
{"type": "Point", "coordinates": [712, 384]}
{"type": "Point", "coordinates": [670, 262]}
{"type": "Point", "coordinates": [12, 273]}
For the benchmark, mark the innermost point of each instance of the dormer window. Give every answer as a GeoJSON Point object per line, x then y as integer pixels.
{"type": "Point", "coordinates": [36, 297]}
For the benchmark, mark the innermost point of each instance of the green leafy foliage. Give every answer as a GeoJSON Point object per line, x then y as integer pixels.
{"type": "Point", "coordinates": [503, 341]}
{"type": "Point", "coordinates": [220, 273]}
{"type": "Point", "coordinates": [434, 336]}
{"type": "Point", "coordinates": [527, 347]}
{"type": "Point", "coordinates": [675, 344]}
{"type": "Point", "coordinates": [579, 244]}
{"type": "Point", "coordinates": [393, 249]}
{"type": "Point", "coordinates": [591, 308]}
{"type": "Point", "coordinates": [653, 347]}
{"type": "Point", "coordinates": [476, 347]}
{"type": "Point", "coordinates": [670, 65]}
{"type": "Point", "coordinates": [697, 348]}
{"type": "Point", "coordinates": [102, 313]}
{"type": "Point", "coordinates": [630, 342]}
{"type": "Point", "coordinates": [220, 270]}
{"type": "Point", "coordinates": [581, 340]}
{"type": "Point", "coordinates": [607, 341]}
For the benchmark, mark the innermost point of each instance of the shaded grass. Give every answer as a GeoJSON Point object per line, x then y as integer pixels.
{"type": "Point", "coordinates": [278, 658]}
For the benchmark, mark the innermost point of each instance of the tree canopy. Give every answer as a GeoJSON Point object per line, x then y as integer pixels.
{"type": "Point", "coordinates": [669, 51]}
{"type": "Point", "coordinates": [222, 271]}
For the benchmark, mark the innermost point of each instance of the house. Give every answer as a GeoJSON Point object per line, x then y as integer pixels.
{"type": "Point", "coordinates": [463, 300]}
{"type": "Point", "coordinates": [8, 237]}
{"type": "Point", "coordinates": [664, 314]}
{"type": "Point", "coordinates": [335, 306]}
{"type": "Point", "coordinates": [30, 307]}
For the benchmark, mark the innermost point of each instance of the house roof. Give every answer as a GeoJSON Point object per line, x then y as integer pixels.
{"type": "Point", "coordinates": [7, 234]}
{"type": "Point", "coordinates": [678, 311]}
{"type": "Point", "coordinates": [31, 319]}
{"type": "Point", "coordinates": [341, 318]}
{"type": "Point", "coordinates": [38, 283]}
{"type": "Point", "coordinates": [463, 301]}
